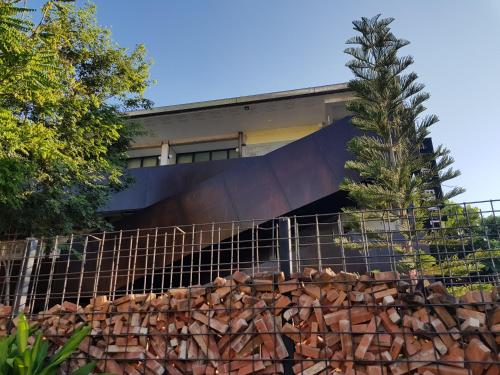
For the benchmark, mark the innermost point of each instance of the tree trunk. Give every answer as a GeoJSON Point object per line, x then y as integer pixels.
{"type": "Point", "coordinates": [392, 155]}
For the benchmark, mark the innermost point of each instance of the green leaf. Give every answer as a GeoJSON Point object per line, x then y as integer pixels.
{"type": "Point", "coordinates": [85, 370]}
{"type": "Point", "coordinates": [40, 349]}
{"type": "Point", "coordinates": [22, 333]}
{"type": "Point", "coordinates": [5, 345]}
{"type": "Point", "coordinates": [69, 347]}
{"type": "Point", "coordinates": [27, 360]}
{"type": "Point", "coordinates": [43, 355]}
{"type": "Point", "coordinates": [19, 366]}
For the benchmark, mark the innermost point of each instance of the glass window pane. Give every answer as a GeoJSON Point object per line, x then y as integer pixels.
{"type": "Point", "coordinates": [184, 158]}
{"type": "Point", "coordinates": [134, 163]}
{"type": "Point", "coordinates": [202, 156]}
{"type": "Point", "coordinates": [233, 154]}
{"type": "Point", "coordinates": [151, 161]}
{"type": "Point", "coordinates": [219, 155]}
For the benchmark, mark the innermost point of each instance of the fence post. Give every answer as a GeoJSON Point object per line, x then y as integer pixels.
{"type": "Point", "coordinates": [23, 282]}
{"type": "Point", "coordinates": [285, 246]}
{"type": "Point", "coordinates": [286, 266]}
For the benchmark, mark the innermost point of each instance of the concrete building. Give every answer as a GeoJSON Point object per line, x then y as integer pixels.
{"type": "Point", "coordinates": [249, 183]}
{"type": "Point", "coordinates": [237, 127]}
{"type": "Point", "coordinates": [228, 184]}
{"type": "Point", "coordinates": [203, 161]}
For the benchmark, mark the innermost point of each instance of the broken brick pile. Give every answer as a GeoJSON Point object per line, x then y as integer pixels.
{"type": "Point", "coordinates": [313, 323]}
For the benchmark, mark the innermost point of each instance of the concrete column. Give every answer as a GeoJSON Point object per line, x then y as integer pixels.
{"type": "Point", "coordinates": [23, 283]}
{"type": "Point", "coordinates": [165, 149]}
{"type": "Point", "coordinates": [240, 144]}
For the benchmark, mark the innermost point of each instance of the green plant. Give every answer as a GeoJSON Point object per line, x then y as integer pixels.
{"type": "Point", "coordinates": [459, 291]}
{"type": "Point", "coordinates": [388, 107]}
{"type": "Point", "coordinates": [395, 178]}
{"type": "Point", "coordinates": [64, 86]}
{"type": "Point", "coordinates": [18, 358]}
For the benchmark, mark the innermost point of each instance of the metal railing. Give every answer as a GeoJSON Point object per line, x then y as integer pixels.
{"type": "Point", "coordinates": [456, 244]}
{"type": "Point", "coordinates": [462, 239]}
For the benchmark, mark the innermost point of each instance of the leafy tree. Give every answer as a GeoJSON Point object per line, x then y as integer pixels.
{"type": "Point", "coordinates": [388, 107]}
{"type": "Point", "coordinates": [64, 85]}
{"type": "Point", "coordinates": [470, 234]}
{"type": "Point", "coordinates": [394, 175]}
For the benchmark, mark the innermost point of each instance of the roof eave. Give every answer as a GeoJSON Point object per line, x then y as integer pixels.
{"type": "Point", "coordinates": [249, 99]}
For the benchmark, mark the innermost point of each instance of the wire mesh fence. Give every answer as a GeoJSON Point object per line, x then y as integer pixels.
{"type": "Point", "coordinates": [154, 306]}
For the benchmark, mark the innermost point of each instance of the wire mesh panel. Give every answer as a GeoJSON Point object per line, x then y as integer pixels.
{"type": "Point", "coordinates": [77, 268]}
{"type": "Point", "coordinates": [394, 291]}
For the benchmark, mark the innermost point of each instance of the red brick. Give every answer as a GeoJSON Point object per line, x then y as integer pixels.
{"type": "Point", "coordinates": [476, 351]}
{"type": "Point", "coordinates": [345, 337]}
{"type": "Point", "coordinates": [367, 338]}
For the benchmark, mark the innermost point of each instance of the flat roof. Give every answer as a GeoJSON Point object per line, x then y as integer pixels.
{"type": "Point", "coordinates": [249, 99]}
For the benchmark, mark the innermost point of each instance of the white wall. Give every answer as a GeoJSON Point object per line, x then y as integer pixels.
{"type": "Point", "coordinates": [192, 131]}
{"type": "Point", "coordinates": [262, 149]}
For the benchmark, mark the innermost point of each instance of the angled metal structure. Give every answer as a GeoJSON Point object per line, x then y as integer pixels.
{"type": "Point", "coordinates": [272, 185]}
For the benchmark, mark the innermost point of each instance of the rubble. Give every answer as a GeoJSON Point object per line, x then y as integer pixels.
{"type": "Point", "coordinates": [318, 322]}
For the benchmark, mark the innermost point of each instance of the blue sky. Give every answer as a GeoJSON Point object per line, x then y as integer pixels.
{"type": "Point", "coordinates": [209, 49]}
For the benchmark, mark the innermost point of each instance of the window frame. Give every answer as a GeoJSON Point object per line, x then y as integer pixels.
{"type": "Point", "coordinates": [141, 158]}
{"type": "Point", "coordinates": [210, 152]}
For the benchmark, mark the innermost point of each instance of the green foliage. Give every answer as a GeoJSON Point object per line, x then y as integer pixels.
{"type": "Point", "coordinates": [17, 357]}
{"type": "Point", "coordinates": [469, 222]}
{"type": "Point", "coordinates": [9, 20]}
{"type": "Point", "coordinates": [388, 106]}
{"type": "Point", "coordinates": [468, 231]}
{"type": "Point", "coordinates": [462, 225]}
{"type": "Point", "coordinates": [394, 175]}
{"type": "Point", "coordinates": [64, 86]}
{"type": "Point", "coordinates": [459, 291]}
{"type": "Point", "coordinates": [448, 266]}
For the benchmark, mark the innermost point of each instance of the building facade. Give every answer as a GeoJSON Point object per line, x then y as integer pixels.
{"type": "Point", "coordinates": [203, 161]}
{"type": "Point", "coordinates": [231, 128]}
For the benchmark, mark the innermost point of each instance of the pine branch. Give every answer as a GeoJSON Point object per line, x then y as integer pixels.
{"type": "Point", "coordinates": [389, 105]}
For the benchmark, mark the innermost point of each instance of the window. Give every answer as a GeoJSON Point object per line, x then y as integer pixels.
{"type": "Point", "coordinates": [220, 155]}
{"type": "Point", "coordinates": [202, 156]}
{"type": "Point", "coordinates": [233, 154]}
{"type": "Point", "coordinates": [194, 157]}
{"type": "Point", "coordinates": [134, 163]}
{"type": "Point", "coordinates": [146, 161]}
{"type": "Point", "coordinates": [184, 158]}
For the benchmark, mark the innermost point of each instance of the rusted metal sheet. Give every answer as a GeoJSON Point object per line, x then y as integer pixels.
{"type": "Point", "coordinates": [256, 187]}
{"type": "Point", "coordinates": [260, 188]}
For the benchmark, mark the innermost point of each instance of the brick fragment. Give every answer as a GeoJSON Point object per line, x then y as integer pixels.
{"type": "Point", "coordinates": [281, 303]}
{"type": "Point", "coordinates": [288, 286]}
{"type": "Point", "coordinates": [313, 290]}
{"type": "Point", "coordinates": [478, 353]}
{"type": "Point", "coordinates": [394, 315]}
{"type": "Point", "coordinates": [389, 292]}
{"type": "Point", "coordinates": [318, 313]}
{"type": "Point", "coordinates": [240, 277]}
{"type": "Point", "coordinates": [316, 368]}
{"type": "Point", "coordinates": [415, 361]}
{"type": "Point", "coordinates": [288, 314]}
{"type": "Point", "coordinates": [386, 276]}
{"type": "Point", "coordinates": [445, 316]}
{"type": "Point", "coordinates": [367, 338]}
{"type": "Point", "coordinates": [397, 345]}
{"type": "Point", "coordinates": [442, 331]}
{"type": "Point", "coordinates": [470, 325]}
{"type": "Point", "coordinates": [465, 314]}
{"type": "Point", "coordinates": [345, 337]}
